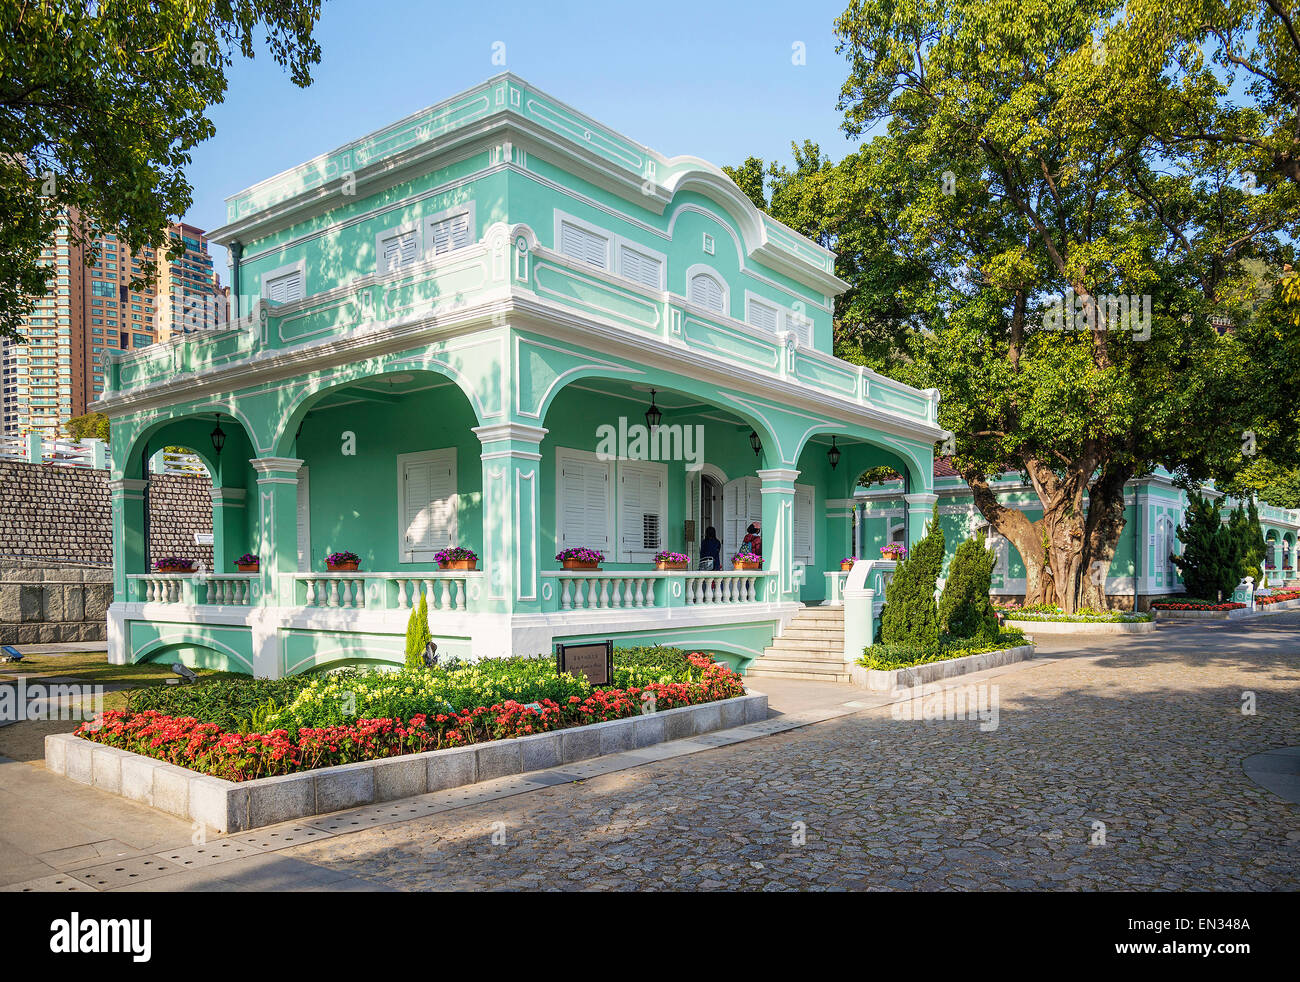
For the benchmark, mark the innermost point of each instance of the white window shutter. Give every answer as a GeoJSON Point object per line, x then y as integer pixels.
{"type": "Point", "coordinates": [584, 508]}
{"type": "Point", "coordinates": [706, 292]}
{"type": "Point", "coordinates": [641, 509]}
{"type": "Point", "coordinates": [429, 501]}
{"type": "Point", "coordinates": [286, 288]}
{"type": "Point", "coordinates": [583, 244]}
{"type": "Point", "coordinates": [451, 233]}
{"type": "Point", "coordinates": [400, 249]}
{"type": "Point", "coordinates": [804, 511]}
{"type": "Point", "coordinates": [762, 316]}
{"type": "Point", "coordinates": [304, 521]}
{"type": "Point", "coordinates": [640, 267]}
{"type": "Point", "coordinates": [801, 327]}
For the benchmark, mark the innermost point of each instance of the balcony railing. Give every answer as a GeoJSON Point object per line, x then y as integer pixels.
{"type": "Point", "coordinates": [634, 589]}
{"type": "Point", "coordinates": [445, 590]}
{"type": "Point", "coordinates": [207, 589]}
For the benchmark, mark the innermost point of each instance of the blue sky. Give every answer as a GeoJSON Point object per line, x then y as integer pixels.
{"type": "Point", "coordinates": [711, 79]}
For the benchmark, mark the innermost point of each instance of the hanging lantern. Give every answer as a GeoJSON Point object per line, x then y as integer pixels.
{"type": "Point", "coordinates": [755, 443]}
{"type": "Point", "coordinates": [653, 415]}
{"type": "Point", "coordinates": [218, 436]}
{"type": "Point", "coordinates": [833, 454]}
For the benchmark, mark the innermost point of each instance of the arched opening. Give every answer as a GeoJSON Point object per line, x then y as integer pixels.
{"type": "Point", "coordinates": [390, 471]}
{"type": "Point", "coordinates": [612, 482]}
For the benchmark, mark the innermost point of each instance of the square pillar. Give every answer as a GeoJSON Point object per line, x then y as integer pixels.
{"type": "Point", "coordinates": [512, 519]}
{"type": "Point", "coordinates": [277, 507]}
{"type": "Point", "coordinates": [228, 508]}
{"type": "Point", "coordinates": [778, 529]}
{"type": "Point", "coordinates": [128, 506]}
{"type": "Point", "coordinates": [920, 509]}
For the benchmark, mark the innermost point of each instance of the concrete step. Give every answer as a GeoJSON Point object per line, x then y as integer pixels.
{"type": "Point", "coordinates": [830, 635]}
{"type": "Point", "coordinates": [784, 663]}
{"type": "Point", "coordinates": [772, 673]}
{"type": "Point", "coordinates": [820, 614]}
{"type": "Point", "coordinates": [805, 646]}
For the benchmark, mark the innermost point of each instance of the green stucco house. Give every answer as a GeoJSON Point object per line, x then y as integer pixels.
{"type": "Point", "coordinates": [451, 333]}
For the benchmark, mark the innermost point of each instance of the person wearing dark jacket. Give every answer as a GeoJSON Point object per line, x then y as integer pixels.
{"type": "Point", "coordinates": [711, 548]}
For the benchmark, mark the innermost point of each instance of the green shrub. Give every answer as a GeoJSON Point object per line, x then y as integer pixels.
{"type": "Point", "coordinates": [1212, 557]}
{"type": "Point", "coordinates": [965, 610]}
{"type": "Point", "coordinates": [418, 635]}
{"type": "Point", "coordinates": [230, 703]}
{"type": "Point", "coordinates": [1251, 546]}
{"type": "Point", "coordinates": [910, 615]}
{"type": "Point", "coordinates": [887, 657]}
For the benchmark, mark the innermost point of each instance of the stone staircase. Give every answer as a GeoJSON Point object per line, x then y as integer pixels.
{"type": "Point", "coordinates": [812, 647]}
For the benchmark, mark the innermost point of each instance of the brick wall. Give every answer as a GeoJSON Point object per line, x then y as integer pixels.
{"type": "Point", "coordinates": [179, 506]}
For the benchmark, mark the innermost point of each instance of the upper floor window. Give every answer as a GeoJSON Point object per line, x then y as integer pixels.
{"type": "Point", "coordinates": [397, 249]}
{"type": "Point", "coordinates": [639, 265]}
{"type": "Point", "coordinates": [284, 285]}
{"type": "Point", "coordinates": [451, 230]}
{"type": "Point", "coordinates": [584, 243]}
{"type": "Point", "coordinates": [762, 315]}
{"type": "Point", "coordinates": [706, 290]}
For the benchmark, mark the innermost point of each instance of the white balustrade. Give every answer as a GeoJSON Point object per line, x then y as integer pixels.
{"type": "Point", "coordinates": [632, 590]}
{"type": "Point", "coordinates": [230, 589]}
{"type": "Point", "coordinates": [606, 591]}
{"type": "Point", "coordinates": [443, 590]}
{"type": "Point", "coordinates": [340, 590]}
{"type": "Point", "coordinates": [739, 587]}
{"type": "Point", "coordinates": [162, 588]}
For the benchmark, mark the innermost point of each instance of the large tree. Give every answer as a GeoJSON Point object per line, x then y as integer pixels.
{"type": "Point", "coordinates": [1019, 165]}
{"type": "Point", "coordinates": [100, 105]}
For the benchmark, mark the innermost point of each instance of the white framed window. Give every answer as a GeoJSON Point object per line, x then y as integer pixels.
{"type": "Point", "coordinates": [584, 502]}
{"type": "Point", "coordinates": [705, 288]}
{"type": "Point", "coordinates": [804, 540]}
{"type": "Point", "coordinates": [582, 241]}
{"type": "Point", "coordinates": [397, 247]}
{"type": "Point", "coordinates": [800, 325]}
{"type": "Point", "coordinates": [742, 504]}
{"type": "Point", "coordinates": [284, 284]}
{"type": "Point", "coordinates": [761, 314]}
{"type": "Point", "coordinates": [450, 230]}
{"type": "Point", "coordinates": [641, 265]}
{"type": "Point", "coordinates": [642, 509]}
{"type": "Point", "coordinates": [426, 503]}
{"type": "Point", "coordinates": [708, 244]}
{"type": "Point", "coordinates": [304, 520]}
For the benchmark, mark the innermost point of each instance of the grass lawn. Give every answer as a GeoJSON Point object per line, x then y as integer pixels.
{"type": "Point", "coordinates": [25, 740]}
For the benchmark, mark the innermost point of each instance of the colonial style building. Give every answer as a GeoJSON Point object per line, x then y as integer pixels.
{"type": "Point", "coordinates": [1141, 570]}
{"type": "Point", "coordinates": [501, 325]}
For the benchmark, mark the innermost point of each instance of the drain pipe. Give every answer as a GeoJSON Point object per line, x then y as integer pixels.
{"type": "Point", "coordinates": [236, 254]}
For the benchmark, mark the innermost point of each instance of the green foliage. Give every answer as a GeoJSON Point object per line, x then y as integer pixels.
{"type": "Point", "coordinates": [91, 425]}
{"type": "Point", "coordinates": [910, 615]}
{"type": "Point", "coordinates": [887, 657]}
{"type": "Point", "coordinates": [230, 703]}
{"type": "Point", "coordinates": [749, 177]}
{"type": "Point", "coordinates": [965, 610]}
{"type": "Point", "coordinates": [418, 634]}
{"type": "Point", "coordinates": [1212, 557]}
{"type": "Point", "coordinates": [1248, 542]}
{"type": "Point", "coordinates": [100, 106]}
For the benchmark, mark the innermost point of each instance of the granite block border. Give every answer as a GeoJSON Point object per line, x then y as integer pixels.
{"type": "Point", "coordinates": [227, 806]}
{"type": "Point", "coordinates": [936, 671]}
{"type": "Point", "coordinates": [1083, 627]}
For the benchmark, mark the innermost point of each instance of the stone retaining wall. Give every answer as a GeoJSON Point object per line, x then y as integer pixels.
{"type": "Point", "coordinates": [51, 603]}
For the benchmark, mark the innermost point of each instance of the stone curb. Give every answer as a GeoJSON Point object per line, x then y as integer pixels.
{"type": "Point", "coordinates": [1083, 627]}
{"type": "Point", "coordinates": [228, 806]}
{"type": "Point", "coordinates": [936, 671]}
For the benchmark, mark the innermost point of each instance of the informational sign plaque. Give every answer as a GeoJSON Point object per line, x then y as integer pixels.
{"type": "Point", "coordinates": [592, 659]}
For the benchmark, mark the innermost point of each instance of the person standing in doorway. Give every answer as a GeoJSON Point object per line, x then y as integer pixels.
{"type": "Point", "coordinates": [754, 539]}
{"type": "Point", "coordinates": [711, 550]}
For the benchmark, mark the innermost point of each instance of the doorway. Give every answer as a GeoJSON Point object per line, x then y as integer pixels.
{"type": "Point", "coordinates": [710, 505]}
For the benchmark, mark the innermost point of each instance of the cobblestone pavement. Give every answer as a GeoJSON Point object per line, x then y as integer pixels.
{"type": "Point", "coordinates": [1145, 735]}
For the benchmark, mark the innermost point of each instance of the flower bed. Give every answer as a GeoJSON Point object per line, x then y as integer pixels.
{"type": "Point", "coordinates": [241, 756]}
{"type": "Point", "coordinates": [1198, 605]}
{"type": "Point", "coordinates": [1088, 615]}
{"type": "Point", "coordinates": [1276, 597]}
{"type": "Point", "coordinates": [887, 657]}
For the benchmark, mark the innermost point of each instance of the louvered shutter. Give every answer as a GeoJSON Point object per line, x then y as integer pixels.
{"type": "Point", "coordinates": [451, 233]}
{"type": "Point", "coordinates": [584, 508]}
{"type": "Point", "coordinates": [286, 288]}
{"type": "Point", "coordinates": [801, 327]}
{"type": "Point", "coordinates": [587, 246]}
{"type": "Point", "coordinates": [641, 510]}
{"type": "Point", "coordinates": [762, 316]}
{"type": "Point", "coordinates": [706, 292]}
{"type": "Point", "coordinates": [399, 250]}
{"type": "Point", "coordinates": [640, 267]}
{"type": "Point", "coordinates": [804, 510]}
{"type": "Point", "coordinates": [304, 521]}
{"type": "Point", "coordinates": [429, 502]}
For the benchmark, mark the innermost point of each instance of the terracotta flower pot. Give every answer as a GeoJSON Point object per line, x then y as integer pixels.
{"type": "Point", "coordinates": [348, 567]}
{"type": "Point", "coordinates": [459, 564]}
{"type": "Point", "coordinates": [580, 564]}
{"type": "Point", "coordinates": [845, 567]}
{"type": "Point", "coordinates": [176, 569]}
{"type": "Point", "coordinates": [668, 565]}
{"type": "Point", "coordinates": [737, 564]}
{"type": "Point", "coordinates": [248, 567]}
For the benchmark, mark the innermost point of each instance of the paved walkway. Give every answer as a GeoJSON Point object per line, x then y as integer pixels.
{"type": "Point", "coordinates": [1116, 764]}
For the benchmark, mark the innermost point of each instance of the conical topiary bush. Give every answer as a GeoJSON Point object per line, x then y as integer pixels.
{"type": "Point", "coordinates": [911, 616]}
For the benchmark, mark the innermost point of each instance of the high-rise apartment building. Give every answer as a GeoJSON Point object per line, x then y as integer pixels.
{"type": "Point", "coordinates": [92, 311]}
